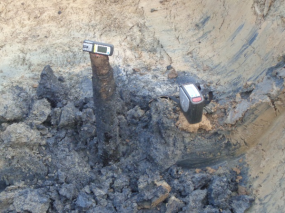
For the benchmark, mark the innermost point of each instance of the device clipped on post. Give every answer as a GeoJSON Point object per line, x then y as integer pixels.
{"type": "Point", "coordinates": [98, 47]}
{"type": "Point", "coordinates": [192, 103]}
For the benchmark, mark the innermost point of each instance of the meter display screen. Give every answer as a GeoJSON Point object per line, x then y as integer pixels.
{"type": "Point", "coordinates": [192, 90]}
{"type": "Point", "coordinates": [102, 49]}
{"type": "Point", "coordinates": [98, 47]}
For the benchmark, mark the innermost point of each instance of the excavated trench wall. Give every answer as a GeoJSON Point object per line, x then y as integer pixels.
{"type": "Point", "coordinates": [236, 48]}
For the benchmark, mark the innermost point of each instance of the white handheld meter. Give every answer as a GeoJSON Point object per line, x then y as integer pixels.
{"type": "Point", "coordinates": [98, 47]}
{"type": "Point", "coordinates": [191, 102]}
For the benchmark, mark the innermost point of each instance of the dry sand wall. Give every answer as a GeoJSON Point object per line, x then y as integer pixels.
{"type": "Point", "coordinates": [266, 163]}
{"type": "Point", "coordinates": [36, 33]}
{"type": "Point", "coordinates": [210, 38]}
{"type": "Point", "coordinates": [227, 40]}
{"type": "Point", "coordinates": [226, 43]}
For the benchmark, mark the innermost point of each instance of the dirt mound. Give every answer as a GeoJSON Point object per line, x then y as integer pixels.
{"type": "Point", "coordinates": [50, 160]}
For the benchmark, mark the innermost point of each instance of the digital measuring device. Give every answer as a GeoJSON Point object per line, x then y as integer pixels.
{"type": "Point", "coordinates": [98, 47]}
{"type": "Point", "coordinates": [192, 103]}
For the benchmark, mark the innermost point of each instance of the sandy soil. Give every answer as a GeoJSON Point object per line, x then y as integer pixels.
{"type": "Point", "coordinates": [266, 163]}
{"type": "Point", "coordinates": [146, 34]}
{"type": "Point", "coordinates": [226, 42]}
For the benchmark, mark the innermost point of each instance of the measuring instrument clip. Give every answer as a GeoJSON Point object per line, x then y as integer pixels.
{"type": "Point", "coordinates": [98, 47]}
{"type": "Point", "coordinates": [191, 102]}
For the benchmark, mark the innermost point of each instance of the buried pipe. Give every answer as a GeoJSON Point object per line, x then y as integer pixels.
{"type": "Point", "coordinates": [104, 89]}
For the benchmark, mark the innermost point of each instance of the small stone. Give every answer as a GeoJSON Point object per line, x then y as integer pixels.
{"type": "Point", "coordinates": [196, 200]}
{"type": "Point", "coordinates": [219, 193]}
{"type": "Point", "coordinates": [68, 116]}
{"type": "Point", "coordinates": [100, 190]}
{"type": "Point", "coordinates": [20, 134]}
{"type": "Point", "coordinates": [238, 179]}
{"type": "Point", "coordinates": [169, 67]}
{"type": "Point", "coordinates": [14, 104]}
{"type": "Point", "coordinates": [248, 84]}
{"type": "Point", "coordinates": [55, 116]}
{"type": "Point", "coordinates": [42, 129]}
{"type": "Point", "coordinates": [58, 205]}
{"type": "Point", "coordinates": [238, 97]}
{"type": "Point", "coordinates": [211, 209]}
{"type": "Point", "coordinates": [198, 170]}
{"type": "Point", "coordinates": [133, 115]}
{"type": "Point", "coordinates": [172, 74]}
{"type": "Point", "coordinates": [242, 190]}
{"type": "Point", "coordinates": [200, 180]}
{"type": "Point", "coordinates": [160, 195]}
{"type": "Point", "coordinates": [237, 170]}
{"type": "Point", "coordinates": [174, 205]}
{"type": "Point", "coordinates": [32, 200]}
{"type": "Point", "coordinates": [68, 190]}
{"type": "Point", "coordinates": [87, 189]}
{"type": "Point", "coordinates": [41, 109]}
{"type": "Point", "coordinates": [87, 131]}
{"type": "Point", "coordinates": [51, 89]}
{"type": "Point", "coordinates": [84, 201]}
{"type": "Point", "coordinates": [153, 194]}
{"type": "Point", "coordinates": [35, 85]}
{"type": "Point", "coordinates": [61, 79]}
{"type": "Point", "coordinates": [3, 126]}
{"type": "Point", "coordinates": [281, 58]}
{"type": "Point", "coordinates": [175, 172]}
{"type": "Point", "coordinates": [121, 182]}
{"type": "Point", "coordinates": [241, 203]}
{"type": "Point", "coordinates": [163, 184]}
{"type": "Point", "coordinates": [210, 170]}
{"type": "Point", "coordinates": [206, 68]}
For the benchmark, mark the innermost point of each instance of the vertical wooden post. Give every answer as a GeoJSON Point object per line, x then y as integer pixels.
{"type": "Point", "coordinates": [104, 89]}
